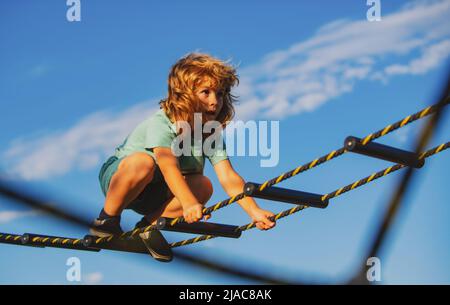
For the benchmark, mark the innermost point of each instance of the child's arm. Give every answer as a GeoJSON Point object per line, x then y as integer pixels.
{"type": "Point", "coordinates": [167, 162]}
{"type": "Point", "coordinates": [233, 184]}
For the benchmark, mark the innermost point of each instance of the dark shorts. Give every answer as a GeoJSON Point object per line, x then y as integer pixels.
{"type": "Point", "coordinates": [151, 199]}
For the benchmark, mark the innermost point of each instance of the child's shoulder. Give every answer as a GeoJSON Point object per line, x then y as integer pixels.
{"type": "Point", "coordinates": [160, 119]}
{"type": "Point", "coordinates": [159, 115]}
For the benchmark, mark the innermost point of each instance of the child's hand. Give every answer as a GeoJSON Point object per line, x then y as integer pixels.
{"type": "Point", "coordinates": [261, 218]}
{"type": "Point", "coordinates": [193, 212]}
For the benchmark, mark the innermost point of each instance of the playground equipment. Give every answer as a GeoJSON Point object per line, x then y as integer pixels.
{"type": "Point", "coordinates": [130, 242]}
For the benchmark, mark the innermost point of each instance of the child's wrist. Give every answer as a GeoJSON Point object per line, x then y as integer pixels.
{"type": "Point", "coordinates": [250, 208]}
{"type": "Point", "coordinates": [188, 204]}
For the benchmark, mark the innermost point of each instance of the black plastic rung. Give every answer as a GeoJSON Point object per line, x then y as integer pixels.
{"type": "Point", "coordinates": [383, 152]}
{"type": "Point", "coordinates": [134, 245]}
{"type": "Point", "coordinates": [204, 228]}
{"type": "Point", "coordinates": [251, 189]}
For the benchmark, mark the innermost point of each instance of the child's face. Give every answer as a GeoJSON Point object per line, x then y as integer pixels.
{"type": "Point", "coordinates": [211, 98]}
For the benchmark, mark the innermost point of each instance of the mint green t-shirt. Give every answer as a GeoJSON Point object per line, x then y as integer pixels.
{"type": "Point", "coordinates": [159, 131]}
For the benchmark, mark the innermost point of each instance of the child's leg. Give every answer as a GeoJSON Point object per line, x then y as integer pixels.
{"type": "Point", "coordinates": [158, 247]}
{"type": "Point", "coordinates": [133, 174]}
{"type": "Point", "coordinates": [200, 186]}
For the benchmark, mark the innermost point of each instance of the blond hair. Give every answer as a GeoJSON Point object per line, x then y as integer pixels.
{"type": "Point", "coordinates": [186, 75]}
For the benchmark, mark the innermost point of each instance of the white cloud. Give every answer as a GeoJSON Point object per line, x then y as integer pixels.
{"type": "Point", "coordinates": [432, 56]}
{"type": "Point", "coordinates": [343, 52]}
{"type": "Point", "coordinates": [93, 278]}
{"type": "Point", "coordinates": [287, 82]}
{"type": "Point", "coordinates": [8, 216]}
{"type": "Point", "coordinates": [82, 146]}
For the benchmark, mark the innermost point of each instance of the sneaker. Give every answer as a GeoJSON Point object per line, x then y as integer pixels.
{"type": "Point", "coordinates": [142, 223]}
{"type": "Point", "coordinates": [106, 227]}
{"type": "Point", "coordinates": [155, 242]}
{"type": "Point", "coordinates": [157, 245]}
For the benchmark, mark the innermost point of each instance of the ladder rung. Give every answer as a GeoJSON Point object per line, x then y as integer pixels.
{"type": "Point", "coordinates": [134, 245]}
{"type": "Point", "coordinates": [204, 228]}
{"type": "Point", "coordinates": [383, 152]}
{"type": "Point", "coordinates": [285, 195]}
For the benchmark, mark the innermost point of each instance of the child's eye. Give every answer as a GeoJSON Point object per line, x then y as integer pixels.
{"type": "Point", "coordinates": [205, 91]}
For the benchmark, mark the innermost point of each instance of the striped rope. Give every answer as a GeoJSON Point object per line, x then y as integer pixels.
{"type": "Point", "coordinates": [333, 194]}
{"type": "Point", "coordinates": [40, 240]}
{"type": "Point", "coordinates": [332, 155]}
{"type": "Point", "coordinates": [77, 244]}
{"type": "Point", "coordinates": [10, 238]}
{"type": "Point", "coordinates": [316, 162]}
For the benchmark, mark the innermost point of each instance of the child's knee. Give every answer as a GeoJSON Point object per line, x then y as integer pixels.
{"type": "Point", "coordinates": [203, 188]}
{"type": "Point", "coordinates": [140, 166]}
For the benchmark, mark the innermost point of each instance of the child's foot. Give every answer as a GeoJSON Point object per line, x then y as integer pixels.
{"type": "Point", "coordinates": [106, 227]}
{"type": "Point", "coordinates": [155, 242]}
{"type": "Point", "coordinates": [157, 245]}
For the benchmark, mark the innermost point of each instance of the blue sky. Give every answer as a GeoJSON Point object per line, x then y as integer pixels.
{"type": "Point", "coordinates": [70, 92]}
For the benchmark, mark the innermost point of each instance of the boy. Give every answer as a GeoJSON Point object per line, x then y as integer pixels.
{"type": "Point", "coordinates": [144, 174]}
